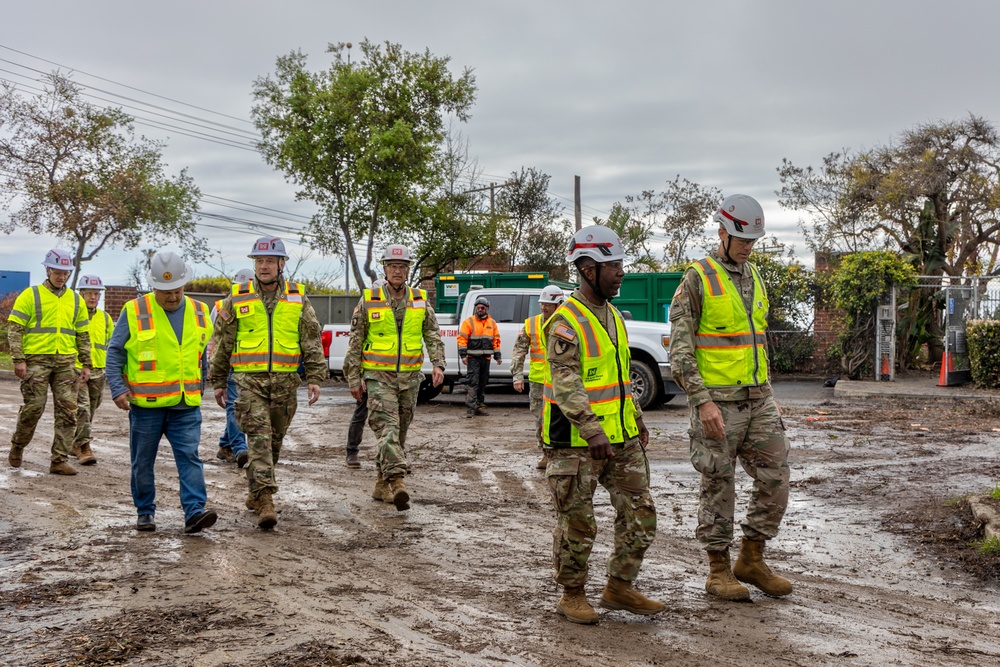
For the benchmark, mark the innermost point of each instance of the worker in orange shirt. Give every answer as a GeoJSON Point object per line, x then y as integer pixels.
{"type": "Point", "coordinates": [478, 340]}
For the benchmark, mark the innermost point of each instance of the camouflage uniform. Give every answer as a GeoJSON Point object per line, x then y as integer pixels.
{"type": "Point", "coordinates": [57, 371]}
{"type": "Point", "coordinates": [536, 390]}
{"type": "Point", "coordinates": [267, 401]}
{"type": "Point", "coordinates": [755, 432]}
{"type": "Point", "coordinates": [392, 397]}
{"type": "Point", "coordinates": [573, 476]}
{"type": "Point", "coordinates": [89, 396]}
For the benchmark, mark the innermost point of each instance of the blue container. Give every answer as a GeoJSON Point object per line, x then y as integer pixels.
{"type": "Point", "coordinates": [14, 281]}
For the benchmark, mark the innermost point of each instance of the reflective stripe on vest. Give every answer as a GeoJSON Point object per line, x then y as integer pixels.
{"type": "Point", "coordinates": [479, 336]}
{"type": "Point", "coordinates": [730, 346]}
{"type": "Point", "coordinates": [100, 335]}
{"type": "Point", "coordinates": [266, 342]}
{"type": "Point", "coordinates": [160, 370]}
{"type": "Point", "coordinates": [386, 348]}
{"type": "Point", "coordinates": [50, 322]}
{"type": "Point", "coordinates": [605, 373]}
{"type": "Point", "coordinates": [536, 368]}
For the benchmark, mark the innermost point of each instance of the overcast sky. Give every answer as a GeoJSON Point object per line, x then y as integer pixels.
{"type": "Point", "coordinates": [626, 95]}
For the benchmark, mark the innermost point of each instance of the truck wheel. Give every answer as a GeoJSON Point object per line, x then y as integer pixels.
{"type": "Point", "coordinates": [427, 391]}
{"type": "Point", "coordinates": [645, 386]}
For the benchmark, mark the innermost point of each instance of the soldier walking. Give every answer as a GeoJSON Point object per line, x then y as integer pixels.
{"type": "Point", "coordinates": [156, 372]}
{"type": "Point", "coordinates": [91, 392]}
{"type": "Point", "coordinates": [718, 355]}
{"type": "Point", "coordinates": [263, 331]}
{"type": "Point", "coordinates": [478, 340]}
{"type": "Point", "coordinates": [385, 351]}
{"type": "Point", "coordinates": [47, 334]}
{"type": "Point", "coordinates": [593, 429]}
{"type": "Point", "coordinates": [356, 429]}
{"type": "Point", "coordinates": [530, 344]}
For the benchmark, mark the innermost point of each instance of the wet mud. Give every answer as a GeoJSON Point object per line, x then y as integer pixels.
{"type": "Point", "coordinates": [875, 541]}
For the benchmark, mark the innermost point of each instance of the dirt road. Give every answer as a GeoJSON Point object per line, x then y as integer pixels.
{"type": "Point", "coordinates": [464, 577]}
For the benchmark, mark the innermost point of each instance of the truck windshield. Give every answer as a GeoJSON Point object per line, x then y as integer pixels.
{"type": "Point", "coordinates": [503, 307]}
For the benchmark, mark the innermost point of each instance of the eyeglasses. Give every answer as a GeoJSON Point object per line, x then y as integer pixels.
{"type": "Point", "coordinates": [746, 243]}
{"type": "Point", "coordinates": [397, 267]}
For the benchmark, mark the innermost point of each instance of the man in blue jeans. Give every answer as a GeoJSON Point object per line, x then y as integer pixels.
{"type": "Point", "coordinates": [232, 442]}
{"type": "Point", "coordinates": [155, 369]}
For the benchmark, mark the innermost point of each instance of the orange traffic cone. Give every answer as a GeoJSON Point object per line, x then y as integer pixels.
{"type": "Point", "coordinates": [886, 372]}
{"type": "Point", "coordinates": [946, 365]}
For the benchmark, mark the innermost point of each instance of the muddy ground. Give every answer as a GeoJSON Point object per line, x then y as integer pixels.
{"type": "Point", "coordinates": [874, 540]}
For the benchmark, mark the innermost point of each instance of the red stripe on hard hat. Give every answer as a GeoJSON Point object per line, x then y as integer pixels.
{"type": "Point", "coordinates": [592, 245]}
{"type": "Point", "coordinates": [734, 219]}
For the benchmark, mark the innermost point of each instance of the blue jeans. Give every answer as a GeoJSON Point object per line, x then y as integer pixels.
{"type": "Point", "coordinates": [232, 437]}
{"type": "Point", "coordinates": [182, 429]}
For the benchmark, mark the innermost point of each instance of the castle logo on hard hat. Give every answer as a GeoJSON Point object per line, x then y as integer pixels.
{"type": "Point", "coordinates": [264, 245]}
{"type": "Point", "coordinates": [167, 275]}
{"type": "Point", "coordinates": [397, 251]}
{"type": "Point", "coordinates": [64, 261]}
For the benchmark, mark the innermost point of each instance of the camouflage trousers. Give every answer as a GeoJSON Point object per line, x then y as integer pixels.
{"type": "Point", "coordinates": [59, 373]}
{"type": "Point", "coordinates": [390, 412]}
{"type": "Point", "coordinates": [88, 399]}
{"type": "Point", "coordinates": [536, 400]}
{"type": "Point", "coordinates": [573, 477]}
{"type": "Point", "coordinates": [265, 405]}
{"type": "Point", "coordinates": [756, 436]}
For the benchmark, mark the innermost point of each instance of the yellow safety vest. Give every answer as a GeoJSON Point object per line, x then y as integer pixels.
{"type": "Point", "coordinates": [389, 349]}
{"type": "Point", "coordinates": [536, 367]}
{"type": "Point", "coordinates": [50, 322]}
{"type": "Point", "coordinates": [267, 343]}
{"type": "Point", "coordinates": [160, 370]}
{"type": "Point", "coordinates": [605, 373]}
{"type": "Point", "coordinates": [730, 346]}
{"type": "Point", "coordinates": [101, 329]}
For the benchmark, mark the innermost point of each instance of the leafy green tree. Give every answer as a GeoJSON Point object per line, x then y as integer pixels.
{"type": "Point", "coordinates": [859, 284]}
{"type": "Point", "coordinates": [362, 140]}
{"type": "Point", "coordinates": [635, 236]}
{"type": "Point", "coordinates": [527, 220]}
{"type": "Point", "coordinates": [791, 291]}
{"type": "Point", "coordinates": [76, 172]}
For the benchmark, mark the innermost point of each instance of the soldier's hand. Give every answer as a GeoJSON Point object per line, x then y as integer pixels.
{"type": "Point", "coordinates": [359, 391]}
{"type": "Point", "coordinates": [711, 419]}
{"type": "Point", "coordinates": [220, 397]}
{"type": "Point", "coordinates": [465, 361]}
{"type": "Point", "coordinates": [437, 376]}
{"type": "Point", "coordinates": [643, 433]}
{"type": "Point", "coordinates": [313, 393]}
{"type": "Point", "coordinates": [21, 369]}
{"type": "Point", "coordinates": [84, 376]}
{"type": "Point", "coordinates": [519, 385]}
{"type": "Point", "coordinates": [122, 400]}
{"type": "Point", "coordinates": [599, 447]}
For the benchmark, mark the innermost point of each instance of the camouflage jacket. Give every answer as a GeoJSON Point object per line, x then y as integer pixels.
{"type": "Point", "coordinates": [563, 358]}
{"type": "Point", "coordinates": [685, 317]}
{"type": "Point", "coordinates": [224, 339]}
{"type": "Point", "coordinates": [522, 351]}
{"type": "Point", "coordinates": [359, 334]}
{"type": "Point", "coordinates": [15, 337]}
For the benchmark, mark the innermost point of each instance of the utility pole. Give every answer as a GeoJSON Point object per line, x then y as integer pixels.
{"type": "Point", "coordinates": [576, 203]}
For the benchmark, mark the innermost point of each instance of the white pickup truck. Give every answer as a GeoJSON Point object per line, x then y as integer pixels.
{"type": "Point", "coordinates": [648, 342]}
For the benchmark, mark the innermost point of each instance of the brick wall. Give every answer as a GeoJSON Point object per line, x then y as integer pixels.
{"type": "Point", "coordinates": [828, 322]}
{"type": "Point", "coordinates": [116, 296]}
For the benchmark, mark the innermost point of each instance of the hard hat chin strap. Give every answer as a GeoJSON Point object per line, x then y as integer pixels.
{"type": "Point", "coordinates": [727, 244]}
{"type": "Point", "coordinates": [597, 276]}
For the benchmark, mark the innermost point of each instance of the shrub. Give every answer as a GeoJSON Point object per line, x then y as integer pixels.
{"type": "Point", "coordinates": [983, 340]}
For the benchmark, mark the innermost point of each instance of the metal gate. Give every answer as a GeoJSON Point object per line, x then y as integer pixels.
{"type": "Point", "coordinates": [955, 367]}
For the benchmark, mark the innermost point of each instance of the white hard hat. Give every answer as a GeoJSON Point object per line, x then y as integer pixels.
{"type": "Point", "coordinates": [552, 294]}
{"type": "Point", "coordinates": [268, 246]}
{"type": "Point", "coordinates": [167, 271]}
{"type": "Point", "coordinates": [90, 282]}
{"type": "Point", "coordinates": [597, 242]}
{"type": "Point", "coordinates": [243, 276]}
{"type": "Point", "coordinates": [57, 258]}
{"type": "Point", "coordinates": [741, 216]}
{"type": "Point", "coordinates": [396, 253]}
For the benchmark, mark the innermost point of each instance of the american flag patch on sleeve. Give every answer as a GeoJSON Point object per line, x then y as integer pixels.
{"type": "Point", "coordinates": [564, 332]}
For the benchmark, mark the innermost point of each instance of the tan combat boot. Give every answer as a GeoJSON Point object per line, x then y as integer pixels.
{"type": "Point", "coordinates": [721, 582]}
{"type": "Point", "coordinates": [251, 502]}
{"type": "Point", "coordinates": [381, 490]}
{"type": "Point", "coordinates": [86, 456]}
{"type": "Point", "coordinates": [74, 451]}
{"type": "Point", "coordinates": [266, 516]}
{"type": "Point", "coordinates": [574, 606]}
{"type": "Point", "coordinates": [61, 468]}
{"type": "Point", "coordinates": [543, 462]}
{"type": "Point", "coordinates": [750, 568]}
{"type": "Point", "coordinates": [399, 496]}
{"type": "Point", "coordinates": [621, 594]}
{"type": "Point", "coordinates": [14, 457]}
